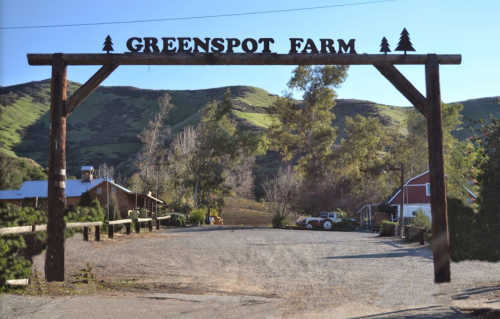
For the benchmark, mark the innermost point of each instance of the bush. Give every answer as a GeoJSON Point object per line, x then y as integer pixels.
{"type": "Point", "coordinates": [345, 222]}
{"type": "Point", "coordinates": [421, 220]}
{"type": "Point", "coordinates": [197, 216]}
{"type": "Point", "coordinates": [279, 219]}
{"type": "Point", "coordinates": [177, 219]}
{"type": "Point", "coordinates": [81, 214]}
{"type": "Point", "coordinates": [464, 241]}
{"type": "Point", "coordinates": [15, 255]}
{"type": "Point", "coordinates": [85, 200]}
{"type": "Point", "coordinates": [387, 228]}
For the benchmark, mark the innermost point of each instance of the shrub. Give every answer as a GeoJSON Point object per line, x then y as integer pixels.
{"type": "Point", "coordinates": [279, 219]}
{"type": "Point", "coordinates": [387, 228]}
{"type": "Point", "coordinates": [421, 220]}
{"type": "Point", "coordinates": [345, 222]}
{"type": "Point", "coordinates": [85, 200]}
{"type": "Point", "coordinates": [197, 215]}
{"type": "Point", "coordinates": [15, 255]}
{"type": "Point", "coordinates": [464, 237]}
{"type": "Point", "coordinates": [177, 219]}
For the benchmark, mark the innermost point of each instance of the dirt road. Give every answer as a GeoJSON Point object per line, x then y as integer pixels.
{"type": "Point", "coordinates": [230, 272]}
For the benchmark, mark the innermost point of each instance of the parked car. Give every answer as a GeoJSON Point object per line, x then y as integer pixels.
{"type": "Point", "coordinates": [325, 220]}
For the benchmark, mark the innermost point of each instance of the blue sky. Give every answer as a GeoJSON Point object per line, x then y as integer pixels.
{"type": "Point", "coordinates": [470, 28]}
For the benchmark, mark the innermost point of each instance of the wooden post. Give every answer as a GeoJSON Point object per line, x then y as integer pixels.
{"type": "Point", "coordinates": [111, 230]}
{"type": "Point", "coordinates": [137, 226]}
{"type": "Point", "coordinates": [97, 233]}
{"type": "Point", "coordinates": [85, 233]}
{"type": "Point", "coordinates": [421, 235]}
{"type": "Point", "coordinates": [402, 205]}
{"type": "Point", "coordinates": [54, 258]}
{"type": "Point", "coordinates": [441, 246]}
{"type": "Point", "coordinates": [157, 224]}
{"type": "Point", "coordinates": [150, 225]}
{"type": "Point", "coordinates": [127, 227]}
{"type": "Point", "coordinates": [168, 222]}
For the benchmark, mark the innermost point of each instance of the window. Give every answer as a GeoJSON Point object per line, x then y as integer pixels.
{"type": "Point", "coordinates": [99, 191]}
{"type": "Point", "coordinates": [113, 190]}
{"type": "Point", "coordinates": [428, 189]}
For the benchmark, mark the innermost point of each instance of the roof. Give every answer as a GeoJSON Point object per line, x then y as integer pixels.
{"type": "Point", "coordinates": [368, 205]}
{"type": "Point", "coordinates": [74, 188]}
{"type": "Point", "coordinates": [392, 198]}
{"type": "Point", "coordinates": [32, 189]}
{"type": "Point", "coordinates": [87, 168]}
{"type": "Point", "coordinates": [102, 180]}
{"type": "Point", "coordinates": [10, 194]}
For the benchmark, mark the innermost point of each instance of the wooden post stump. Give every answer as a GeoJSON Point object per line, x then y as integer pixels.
{"type": "Point", "coordinates": [97, 233]}
{"type": "Point", "coordinates": [111, 230]}
{"type": "Point", "coordinates": [157, 224]}
{"type": "Point", "coordinates": [85, 233]}
{"type": "Point", "coordinates": [137, 227]}
{"type": "Point", "coordinates": [127, 227]}
{"type": "Point", "coordinates": [150, 225]}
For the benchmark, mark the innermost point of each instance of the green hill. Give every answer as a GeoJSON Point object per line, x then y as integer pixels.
{"type": "Point", "coordinates": [105, 127]}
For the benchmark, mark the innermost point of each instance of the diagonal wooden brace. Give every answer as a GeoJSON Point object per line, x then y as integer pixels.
{"type": "Point", "coordinates": [85, 90]}
{"type": "Point", "coordinates": [404, 86]}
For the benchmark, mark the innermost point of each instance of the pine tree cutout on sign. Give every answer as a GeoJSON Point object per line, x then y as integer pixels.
{"type": "Point", "coordinates": [384, 47]}
{"type": "Point", "coordinates": [404, 42]}
{"type": "Point", "coordinates": [108, 45]}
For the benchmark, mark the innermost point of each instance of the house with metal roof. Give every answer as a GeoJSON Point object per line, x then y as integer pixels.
{"type": "Point", "coordinates": [34, 193]}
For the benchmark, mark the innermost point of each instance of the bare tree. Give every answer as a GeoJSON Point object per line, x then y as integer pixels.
{"type": "Point", "coordinates": [239, 179]}
{"type": "Point", "coordinates": [280, 194]}
{"type": "Point", "coordinates": [105, 171]}
{"type": "Point", "coordinates": [180, 157]}
{"type": "Point", "coordinates": [153, 135]}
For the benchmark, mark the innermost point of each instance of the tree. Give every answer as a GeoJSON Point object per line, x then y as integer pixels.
{"type": "Point", "coordinates": [412, 148]}
{"type": "Point", "coordinates": [220, 144]}
{"type": "Point", "coordinates": [384, 47]}
{"type": "Point", "coordinates": [404, 42]}
{"type": "Point", "coordinates": [105, 171]}
{"type": "Point", "coordinates": [357, 169]}
{"type": "Point", "coordinates": [304, 130]}
{"type": "Point", "coordinates": [486, 171]}
{"type": "Point", "coordinates": [108, 45]}
{"type": "Point", "coordinates": [153, 137]}
{"type": "Point", "coordinates": [280, 194]}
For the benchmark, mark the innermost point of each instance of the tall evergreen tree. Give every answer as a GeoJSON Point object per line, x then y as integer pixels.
{"type": "Point", "coordinates": [404, 42]}
{"type": "Point", "coordinates": [303, 129]}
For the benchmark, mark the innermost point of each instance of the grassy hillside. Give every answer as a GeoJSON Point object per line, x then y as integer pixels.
{"type": "Point", "coordinates": [105, 127]}
{"type": "Point", "coordinates": [477, 109]}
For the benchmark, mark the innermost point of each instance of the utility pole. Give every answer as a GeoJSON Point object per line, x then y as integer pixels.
{"type": "Point", "coordinates": [107, 194]}
{"type": "Point", "coordinates": [401, 205]}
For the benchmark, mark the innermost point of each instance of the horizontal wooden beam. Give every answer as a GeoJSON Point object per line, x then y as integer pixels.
{"type": "Point", "coordinates": [239, 59]}
{"type": "Point", "coordinates": [404, 86]}
{"type": "Point", "coordinates": [85, 90]}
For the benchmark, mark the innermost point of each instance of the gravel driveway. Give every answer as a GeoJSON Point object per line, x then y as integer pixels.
{"type": "Point", "coordinates": [228, 272]}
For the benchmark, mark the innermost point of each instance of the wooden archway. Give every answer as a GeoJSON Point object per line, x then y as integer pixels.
{"type": "Point", "coordinates": [61, 106]}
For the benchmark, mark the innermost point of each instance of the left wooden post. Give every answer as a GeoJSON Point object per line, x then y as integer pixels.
{"type": "Point", "coordinates": [54, 257]}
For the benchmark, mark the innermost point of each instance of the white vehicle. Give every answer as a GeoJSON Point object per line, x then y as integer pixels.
{"type": "Point", "coordinates": [325, 220]}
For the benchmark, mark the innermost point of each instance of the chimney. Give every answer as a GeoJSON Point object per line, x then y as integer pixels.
{"type": "Point", "coordinates": [87, 173]}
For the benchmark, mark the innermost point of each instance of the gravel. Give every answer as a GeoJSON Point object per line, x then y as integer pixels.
{"type": "Point", "coordinates": [228, 271]}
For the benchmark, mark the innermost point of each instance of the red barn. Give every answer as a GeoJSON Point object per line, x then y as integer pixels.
{"type": "Point", "coordinates": [417, 194]}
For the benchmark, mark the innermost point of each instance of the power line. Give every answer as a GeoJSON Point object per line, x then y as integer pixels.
{"type": "Point", "coordinates": [198, 17]}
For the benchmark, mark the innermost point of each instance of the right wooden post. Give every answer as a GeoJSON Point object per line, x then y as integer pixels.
{"type": "Point", "coordinates": [440, 238]}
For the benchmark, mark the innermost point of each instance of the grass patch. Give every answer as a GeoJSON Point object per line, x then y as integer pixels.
{"type": "Point", "coordinates": [258, 119]}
